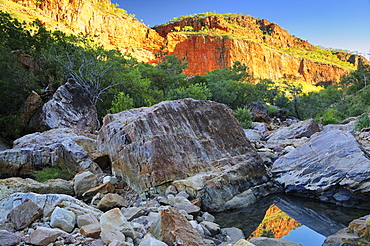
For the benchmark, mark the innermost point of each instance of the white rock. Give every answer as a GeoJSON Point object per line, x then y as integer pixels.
{"type": "Point", "coordinates": [63, 219]}
{"type": "Point", "coordinates": [112, 179]}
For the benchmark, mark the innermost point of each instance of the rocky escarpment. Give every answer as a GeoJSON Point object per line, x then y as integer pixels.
{"type": "Point", "coordinates": [206, 43]}
{"type": "Point", "coordinates": [214, 42]}
{"type": "Point", "coordinates": [113, 27]}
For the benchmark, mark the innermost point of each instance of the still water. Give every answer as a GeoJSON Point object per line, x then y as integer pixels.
{"type": "Point", "coordinates": [301, 220]}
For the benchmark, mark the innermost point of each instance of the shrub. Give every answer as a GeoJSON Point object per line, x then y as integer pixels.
{"type": "Point", "coordinates": [60, 171]}
{"type": "Point", "coordinates": [244, 116]}
{"type": "Point", "coordinates": [363, 122]}
{"type": "Point", "coordinates": [331, 116]}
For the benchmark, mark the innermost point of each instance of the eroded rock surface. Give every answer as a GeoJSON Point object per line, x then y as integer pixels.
{"type": "Point", "coordinates": [331, 167]}
{"type": "Point", "coordinates": [69, 107]}
{"type": "Point", "coordinates": [38, 150]}
{"type": "Point", "coordinates": [175, 140]}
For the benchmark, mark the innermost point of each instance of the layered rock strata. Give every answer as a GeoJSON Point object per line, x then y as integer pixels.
{"type": "Point", "coordinates": [198, 144]}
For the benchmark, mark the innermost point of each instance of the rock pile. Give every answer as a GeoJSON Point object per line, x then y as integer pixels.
{"type": "Point", "coordinates": [58, 219]}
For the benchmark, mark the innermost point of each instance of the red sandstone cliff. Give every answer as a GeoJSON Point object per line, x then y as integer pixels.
{"type": "Point", "coordinates": [267, 50]}
{"type": "Point", "coordinates": [206, 43]}
{"type": "Point", "coordinates": [98, 18]}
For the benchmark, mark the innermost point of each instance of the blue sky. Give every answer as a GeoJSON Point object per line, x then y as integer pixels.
{"type": "Point", "coordinates": [342, 24]}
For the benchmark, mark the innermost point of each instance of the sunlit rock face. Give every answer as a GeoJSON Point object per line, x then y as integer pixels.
{"type": "Point", "coordinates": [99, 19]}
{"type": "Point", "coordinates": [253, 42]}
{"type": "Point", "coordinates": [215, 41]}
{"type": "Point", "coordinates": [198, 144]}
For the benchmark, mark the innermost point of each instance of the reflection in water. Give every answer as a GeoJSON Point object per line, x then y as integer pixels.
{"type": "Point", "coordinates": [275, 224]}
{"type": "Point", "coordinates": [277, 215]}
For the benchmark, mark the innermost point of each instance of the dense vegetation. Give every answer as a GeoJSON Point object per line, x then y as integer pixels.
{"type": "Point", "coordinates": [117, 82]}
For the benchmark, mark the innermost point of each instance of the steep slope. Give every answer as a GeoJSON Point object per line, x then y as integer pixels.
{"type": "Point", "coordinates": [216, 41]}
{"type": "Point", "coordinates": [205, 41]}
{"type": "Point", "coordinates": [111, 26]}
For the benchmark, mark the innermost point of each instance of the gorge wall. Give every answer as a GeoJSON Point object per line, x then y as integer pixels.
{"type": "Point", "coordinates": [111, 26]}
{"type": "Point", "coordinates": [205, 42]}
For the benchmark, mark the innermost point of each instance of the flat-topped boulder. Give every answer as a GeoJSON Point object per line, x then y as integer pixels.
{"type": "Point", "coordinates": [151, 147]}
{"type": "Point", "coordinates": [332, 167]}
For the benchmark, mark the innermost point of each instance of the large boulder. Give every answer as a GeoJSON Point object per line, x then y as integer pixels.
{"type": "Point", "coordinates": [301, 129]}
{"type": "Point", "coordinates": [69, 107]}
{"type": "Point", "coordinates": [176, 140]}
{"type": "Point", "coordinates": [57, 146]}
{"type": "Point", "coordinates": [331, 167]}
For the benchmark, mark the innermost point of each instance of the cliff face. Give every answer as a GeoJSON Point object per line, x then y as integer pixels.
{"type": "Point", "coordinates": [269, 52]}
{"type": "Point", "coordinates": [206, 43]}
{"type": "Point", "coordinates": [99, 18]}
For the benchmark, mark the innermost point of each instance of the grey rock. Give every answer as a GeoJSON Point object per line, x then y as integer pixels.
{"type": "Point", "coordinates": [53, 186]}
{"type": "Point", "coordinates": [301, 129]}
{"type": "Point", "coordinates": [264, 241]}
{"type": "Point", "coordinates": [147, 220]}
{"type": "Point", "coordinates": [346, 128]}
{"type": "Point", "coordinates": [84, 181]}
{"type": "Point", "coordinates": [48, 203]}
{"type": "Point", "coordinates": [213, 228]}
{"type": "Point", "coordinates": [171, 190]}
{"type": "Point", "coordinates": [24, 214]}
{"type": "Point", "coordinates": [208, 217]}
{"type": "Point", "coordinates": [63, 219]}
{"type": "Point", "coordinates": [9, 238]}
{"type": "Point", "coordinates": [69, 107]}
{"type": "Point", "coordinates": [233, 235]}
{"type": "Point", "coordinates": [182, 203]}
{"type": "Point", "coordinates": [86, 219]}
{"type": "Point", "coordinates": [132, 213]}
{"type": "Point", "coordinates": [48, 149]}
{"type": "Point", "coordinates": [110, 235]}
{"type": "Point", "coordinates": [331, 167]}
{"type": "Point", "coordinates": [260, 127]}
{"type": "Point", "coordinates": [253, 135]}
{"type": "Point", "coordinates": [149, 240]}
{"type": "Point", "coordinates": [184, 137]}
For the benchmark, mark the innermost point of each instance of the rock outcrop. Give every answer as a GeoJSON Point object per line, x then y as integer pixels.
{"type": "Point", "coordinates": [69, 107]}
{"type": "Point", "coordinates": [214, 42]}
{"type": "Point", "coordinates": [331, 167]}
{"type": "Point", "coordinates": [198, 144]}
{"type": "Point", "coordinates": [36, 151]}
{"type": "Point", "coordinates": [265, 48]}
{"type": "Point", "coordinates": [111, 26]}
